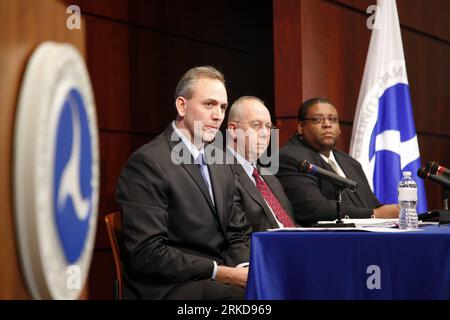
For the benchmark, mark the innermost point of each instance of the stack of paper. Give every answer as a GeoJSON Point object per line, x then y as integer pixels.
{"type": "Point", "coordinates": [370, 225]}
{"type": "Point", "coordinates": [374, 222]}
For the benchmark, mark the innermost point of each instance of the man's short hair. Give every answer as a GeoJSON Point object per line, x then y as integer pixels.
{"type": "Point", "coordinates": [234, 113]}
{"type": "Point", "coordinates": [304, 108]}
{"type": "Point", "coordinates": [187, 81]}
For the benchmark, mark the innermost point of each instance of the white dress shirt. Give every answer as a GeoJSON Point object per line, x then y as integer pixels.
{"type": "Point", "coordinates": [248, 168]}
{"type": "Point", "coordinates": [334, 164]}
{"type": "Point", "coordinates": [196, 153]}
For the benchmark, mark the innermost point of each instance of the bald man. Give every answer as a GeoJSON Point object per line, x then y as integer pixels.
{"type": "Point", "coordinates": [262, 197]}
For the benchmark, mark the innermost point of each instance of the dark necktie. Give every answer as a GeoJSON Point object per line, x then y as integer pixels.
{"type": "Point", "coordinates": [272, 201]}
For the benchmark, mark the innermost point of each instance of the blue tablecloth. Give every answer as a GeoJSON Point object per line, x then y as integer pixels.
{"type": "Point", "coordinates": [350, 265]}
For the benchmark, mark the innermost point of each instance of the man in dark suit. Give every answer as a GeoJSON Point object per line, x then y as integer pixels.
{"type": "Point", "coordinates": [184, 234]}
{"type": "Point", "coordinates": [313, 199]}
{"type": "Point", "coordinates": [262, 196]}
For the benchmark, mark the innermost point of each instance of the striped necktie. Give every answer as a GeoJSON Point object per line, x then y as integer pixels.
{"type": "Point", "coordinates": [272, 201]}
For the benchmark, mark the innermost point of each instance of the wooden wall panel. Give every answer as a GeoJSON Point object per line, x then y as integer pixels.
{"type": "Point", "coordinates": [115, 149]}
{"type": "Point", "coordinates": [151, 105]}
{"type": "Point", "coordinates": [430, 17]}
{"type": "Point", "coordinates": [428, 67]}
{"type": "Point", "coordinates": [231, 24]}
{"type": "Point", "coordinates": [101, 276]}
{"type": "Point", "coordinates": [334, 54]}
{"type": "Point", "coordinates": [113, 9]}
{"type": "Point", "coordinates": [287, 57]}
{"type": "Point", "coordinates": [360, 5]}
{"type": "Point", "coordinates": [421, 15]}
{"type": "Point", "coordinates": [287, 127]}
{"type": "Point", "coordinates": [239, 69]}
{"type": "Point", "coordinates": [134, 81]}
{"type": "Point", "coordinates": [346, 135]}
{"type": "Point", "coordinates": [109, 66]}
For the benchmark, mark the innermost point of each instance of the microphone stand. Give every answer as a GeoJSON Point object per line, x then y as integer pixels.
{"type": "Point", "coordinates": [338, 198]}
{"type": "Point", "coordinates": [443, 216]}
{"type": "Point", "coordinates": [339, 223]}
{"type": "Point", "coordinates": [445, 198]}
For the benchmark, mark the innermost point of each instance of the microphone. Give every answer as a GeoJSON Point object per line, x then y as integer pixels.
{"type": "Point", "coordinates": [435, 168]}
{"type": "Point", "coordinates": [307, 168]}
{"type": "Point", "coordinates": [424, 174]}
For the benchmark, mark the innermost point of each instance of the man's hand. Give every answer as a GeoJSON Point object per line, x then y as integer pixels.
{"type": "Point", "coordinates": [233, 276]}
{"type": "Point", "coordinates": [387, 211]}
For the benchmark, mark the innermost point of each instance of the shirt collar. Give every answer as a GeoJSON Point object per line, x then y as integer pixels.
{"type": "Point", "coordinates": [192, 149]}
{"type": "Point", "coordinates": [331, 157]}
{"type": "Point", "coordinates": [248, 167]}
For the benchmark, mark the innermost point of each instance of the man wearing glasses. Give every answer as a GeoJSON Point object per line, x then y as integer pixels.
{"type": "Point", "coordinates": [262, 196]}
{"type": "Point", "coordinates": [313, 199]}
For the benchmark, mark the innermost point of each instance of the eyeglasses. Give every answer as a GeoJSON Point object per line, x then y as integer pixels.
{"type": "Point", "coordinates": [317, 120]}
{"type": "Point", "coordinates": [258, 125]}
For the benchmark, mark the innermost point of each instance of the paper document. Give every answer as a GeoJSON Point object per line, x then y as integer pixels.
{"type": "Point", "coordinates": [369, 225]}
{"type": "Point", "coordinates": [366, 229]}
{"type": "Point", "coordinates": [372, 222]}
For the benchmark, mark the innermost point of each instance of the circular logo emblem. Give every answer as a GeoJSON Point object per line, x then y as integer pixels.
{"type": "Point", "coordinates": [72, 189]}
{"type": "Point", "coordinates": [56, 172]}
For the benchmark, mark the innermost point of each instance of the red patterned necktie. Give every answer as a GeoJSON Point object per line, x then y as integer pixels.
{"type": "Point", "coordinates": [272, 201]}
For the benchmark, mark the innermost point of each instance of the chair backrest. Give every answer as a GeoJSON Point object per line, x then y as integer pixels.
{"type": "Point", "coordinates": [114, 227]}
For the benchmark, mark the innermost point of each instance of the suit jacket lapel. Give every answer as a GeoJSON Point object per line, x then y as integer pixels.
{"type": "Point", "coordinates": [194, 172]}
{"type": "Point", "coordinates": [254, 192]}
{"type": "Point", "coordinates": [350, 173]}
{"type": "Point", "coordinates": [216, 178]}
{"type": "Point", "coordinates": [190, 167]}
{"type": "Point", "coordinates": [325, 165]}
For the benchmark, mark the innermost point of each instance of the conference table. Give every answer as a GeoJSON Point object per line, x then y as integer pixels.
{"type": "Point", "coordinates": [350, 265]}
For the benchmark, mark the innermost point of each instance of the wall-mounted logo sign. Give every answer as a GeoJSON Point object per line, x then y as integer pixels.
{"type": "Point", "coordinates": [56, 172]}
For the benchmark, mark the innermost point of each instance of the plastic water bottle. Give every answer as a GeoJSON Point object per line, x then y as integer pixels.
{"type": "Point", "coordinates": [407, 199]}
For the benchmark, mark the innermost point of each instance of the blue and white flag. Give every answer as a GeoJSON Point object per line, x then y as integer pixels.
{"type": "Point", "coordinates": [384, 137]}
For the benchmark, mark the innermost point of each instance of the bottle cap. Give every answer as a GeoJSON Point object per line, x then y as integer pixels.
{"type": "Point", "coordinates": [407, 173]}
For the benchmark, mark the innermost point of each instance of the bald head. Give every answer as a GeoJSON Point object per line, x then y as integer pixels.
{"type": "Point", "coordinates": [249, 124]}
{"type": "Point", "coordinates": [247, 104]}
